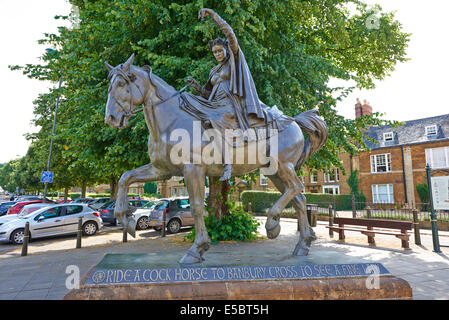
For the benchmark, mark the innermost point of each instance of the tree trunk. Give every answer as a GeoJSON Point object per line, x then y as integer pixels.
{"type": "Point", "coordinates": [218, 193]}
{"type": "Point", "coordinates": [66, 193]}
{"type": "Point", "coordinates": [83, 188]}
{"type": "Point", "coordinates": [113, 184]}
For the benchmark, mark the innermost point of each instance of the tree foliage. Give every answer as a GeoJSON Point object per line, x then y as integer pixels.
{"type": "Point", "coordinates": [293, 48]}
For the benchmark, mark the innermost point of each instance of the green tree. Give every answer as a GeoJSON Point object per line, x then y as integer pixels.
{"type": "Point", "coordinates": [293, 48]}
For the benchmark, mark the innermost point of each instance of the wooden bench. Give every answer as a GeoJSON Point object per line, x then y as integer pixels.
{"type": "Point", "coordinates": [370, 232]}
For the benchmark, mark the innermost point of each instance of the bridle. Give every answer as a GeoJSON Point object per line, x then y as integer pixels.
{"type": "Point", "coordinates": [129, 81]}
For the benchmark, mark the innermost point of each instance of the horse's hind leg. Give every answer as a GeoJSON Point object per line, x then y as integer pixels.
{"type": "Point", "coordinates": [307, 235]}
{"type": "Point", "coordinates": [291, 186]}
{"type": "Point", "coordinates": [194, 176]}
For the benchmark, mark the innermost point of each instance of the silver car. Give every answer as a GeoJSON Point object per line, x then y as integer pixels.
{"type": "Point", "coordinates": [96, 203]}
{"type": "Point", "coordinates": [141, 215]}
{"type": "Point", "coordinates": [53, 220]}
{"type": "Point", "coordinates": [177, 214]}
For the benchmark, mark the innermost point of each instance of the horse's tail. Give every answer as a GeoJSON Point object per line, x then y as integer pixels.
{"type": "Point", "coordinates": [315, 127]}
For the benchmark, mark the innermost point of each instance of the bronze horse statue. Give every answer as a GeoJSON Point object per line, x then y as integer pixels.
{"type": "Point", "coordinates": [132, 86]}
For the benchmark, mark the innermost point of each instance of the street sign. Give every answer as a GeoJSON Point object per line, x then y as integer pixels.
{"type": "Point", "coordinates": [47, 176]}
{"type": "Point", "coordinates": [440, 192]}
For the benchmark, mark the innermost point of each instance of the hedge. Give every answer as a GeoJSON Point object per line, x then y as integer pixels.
{"type": "Point", "coordinates": [261, 200]}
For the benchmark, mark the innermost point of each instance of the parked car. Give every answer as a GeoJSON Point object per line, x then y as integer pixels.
{"type": "Point", "coordinates": [25, 211]}
{"type": "Point", "coordinates": [142, 214]}
{"type": "Point", "coordinates": [29, 208]}
{"type": "Point", "coordinates": [82, 200]}
{"type": "Point", "coordinates": [177, 212]}
{"type": "Point", "coordinates": [15, 209]}
{"type": "Point", "coordinates": [61, 200]}
{"type": "Point", "coordinates": [4, 206]}
{"type": "Point", "coordinates": [96, 203]}
{"type": "Point", "coordinates": [107, 210]}
{"type": "Point", "coordinates": [57, 219]}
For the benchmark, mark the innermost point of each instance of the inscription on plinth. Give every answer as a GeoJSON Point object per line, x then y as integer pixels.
{"type": "Point", "coordinates": [233, 273]}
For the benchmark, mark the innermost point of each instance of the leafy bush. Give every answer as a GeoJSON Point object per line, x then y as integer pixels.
{"type": "Point", "coordinates": [261, 200]}
{"type": "Point", "coordinates": [238, 225]}
{"type": "Point", "coordinates": [153, 195]}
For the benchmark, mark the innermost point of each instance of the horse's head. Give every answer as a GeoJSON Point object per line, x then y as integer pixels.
{"type": "Point", "coordinates": [124, 94]}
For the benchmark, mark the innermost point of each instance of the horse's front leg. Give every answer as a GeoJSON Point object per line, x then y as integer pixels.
{"type": "Point", "coordinates": [122, 211]}
{"type": "Point", "coordinates": [194, 176]}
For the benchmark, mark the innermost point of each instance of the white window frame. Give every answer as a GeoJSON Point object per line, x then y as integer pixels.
{"type": "Point", "coordinates": [431, 130]}
{"type": "Point", "coordinates": [263, 178]}
{"type": "Point", "coordinates": [375, 193]}
{"type": "Point", "coordinates": [429, 157]}
{"type": "Point", "coordinates": [333, 187]}
{"type": "Point", "coordinates": [374, 166]}
{"type": "Point", "coordinates": [388, 136]}
{"type": "Point", "coordinates": [173, 192]}
{"type": "Point", "coordinates": [312, 174]}
{"type": "Point", "coordinates": [327, 176]}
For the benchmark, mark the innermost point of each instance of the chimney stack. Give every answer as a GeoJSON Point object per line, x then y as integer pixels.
{"type": "Point", "coordinates": [362, 110]}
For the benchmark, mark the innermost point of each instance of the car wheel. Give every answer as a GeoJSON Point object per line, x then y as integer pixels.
{"type": "Point", "coordinates": [90, 228]}
{"type": "Point", "coordinates": [174, 226]}
{"type": "Point", "coordinates": [142, 223]}
{"type": "Point", "coordinates": [17, 236]}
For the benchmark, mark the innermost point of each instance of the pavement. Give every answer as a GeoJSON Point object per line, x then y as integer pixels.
{"type": "Point", "coordinates": [41, 275]}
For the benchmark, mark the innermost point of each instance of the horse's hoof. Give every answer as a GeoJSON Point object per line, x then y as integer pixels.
{"type": "Point", "coordinates": [132, 226]}
{"type": "Point", "coordinates": [301, 250]}
{"type": "Point", "coordinates": [274, 232]}
{"type": "Point", "coordinates": [191, 258]}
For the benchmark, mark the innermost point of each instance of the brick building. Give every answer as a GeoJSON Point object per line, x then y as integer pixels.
{"type": "Point", "coordinates": [390, 172]}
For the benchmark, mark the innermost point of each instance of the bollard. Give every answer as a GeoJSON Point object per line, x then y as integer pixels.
{"type": "Point", "coordinates": [26, 238]}
{"type": "Point", "coordinates": [164, 224]}
{"type": "Point", "coordinates": [79, 233]}
{"type": "Point", "coordinates": [354, 211]}
{"type": "Point", "coordinates": [368, 212]}
{"type": "Point", "coordinates": [416, 227]}
{"type": "Point", "coordinates": [250, 208]}
{"type": "Point", "coordinates": [331, 222]}
{"type": "Point", "coordinates": [309, 215]}
{"type": "Point", "coordinates": [298, 220]}
{"type": "Point", "coordinates": [125, 232]}
{"type": "Point", "coordinates": [371, 240]}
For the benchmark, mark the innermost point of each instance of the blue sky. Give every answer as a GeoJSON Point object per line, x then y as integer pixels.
{"type": "Point", "coordinates": [416, 89]}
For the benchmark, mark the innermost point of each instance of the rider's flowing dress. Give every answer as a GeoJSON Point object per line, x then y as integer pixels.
{"type": "Point", "coordinates": [233, 102]}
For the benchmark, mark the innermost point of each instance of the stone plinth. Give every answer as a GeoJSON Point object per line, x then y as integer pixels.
{"type": "Point", "coordinates": [126, 277]}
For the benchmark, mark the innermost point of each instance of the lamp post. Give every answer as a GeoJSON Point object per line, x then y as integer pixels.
{"type": "Point", "coordinates": [53, 131]}
{"type": "Point", "coordinates": [433, 216]}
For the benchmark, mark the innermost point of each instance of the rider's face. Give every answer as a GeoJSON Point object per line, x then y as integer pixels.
{"type": "Point", "coordinates": [219, 52]}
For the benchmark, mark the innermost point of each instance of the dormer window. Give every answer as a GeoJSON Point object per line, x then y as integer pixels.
{"type": "Point", "coordinates": [388, 136]}
{"type": "Point", "coordinates": [431, 130]}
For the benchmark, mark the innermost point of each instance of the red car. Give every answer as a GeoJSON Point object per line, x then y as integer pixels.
{"type": "Point", "coordinates": [61, 200]}
{"type": "Point", "coordinates": [15, 209]}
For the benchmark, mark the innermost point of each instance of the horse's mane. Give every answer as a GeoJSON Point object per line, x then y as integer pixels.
{"type": "Point", "coordinates": [163, 89]}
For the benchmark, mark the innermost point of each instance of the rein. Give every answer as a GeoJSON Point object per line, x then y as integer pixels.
{"type": "Point", "coordinates": [161, 102]}
{"type": "Point", "coordinates": [129, 113]}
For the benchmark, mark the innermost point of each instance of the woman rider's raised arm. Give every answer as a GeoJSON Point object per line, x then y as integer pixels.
{"type": "Point", "coordinates": [224, 26]}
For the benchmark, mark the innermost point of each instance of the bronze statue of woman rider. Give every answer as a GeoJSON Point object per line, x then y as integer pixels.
{"type": "Point", "coordinates": [230, 89]}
